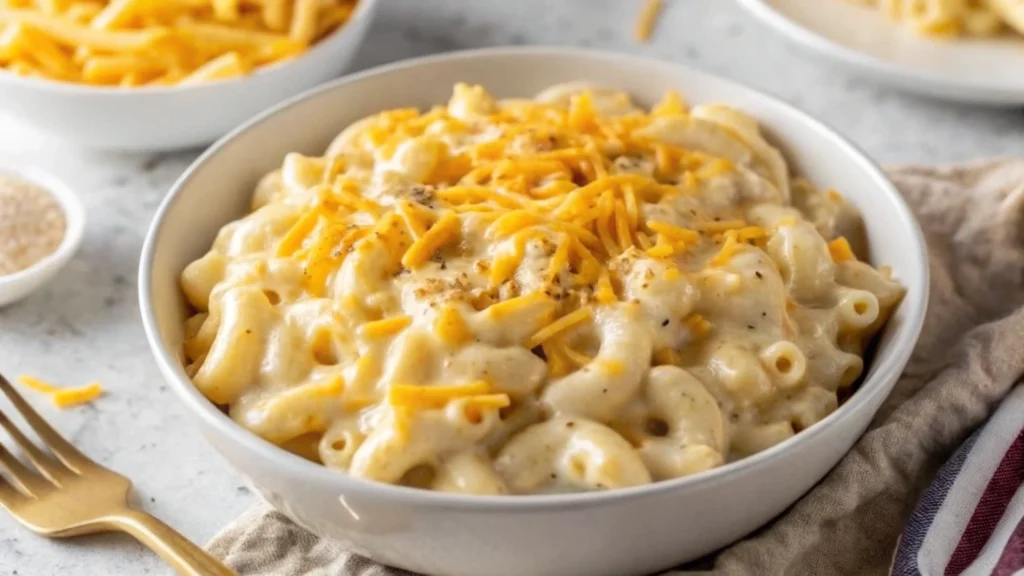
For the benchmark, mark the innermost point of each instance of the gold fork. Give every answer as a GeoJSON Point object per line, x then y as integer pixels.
{"type": "Point", "coordinates": [70, 495]}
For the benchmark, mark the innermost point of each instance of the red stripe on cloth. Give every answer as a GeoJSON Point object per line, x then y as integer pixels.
{"type": "Point", "coordinates": [1012, 558]}
{"type": "Point", "coordinates": [1000, 490]}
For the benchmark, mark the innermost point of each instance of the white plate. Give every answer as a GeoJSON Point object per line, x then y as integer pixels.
{"type": "Point", "coordinates": [983, 71]}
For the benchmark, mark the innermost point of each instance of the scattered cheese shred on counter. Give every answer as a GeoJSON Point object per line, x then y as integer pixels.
{"type": "Point", "coordinates": [648, 18]}
{"type": "Point", "coordinates": [63, 397]}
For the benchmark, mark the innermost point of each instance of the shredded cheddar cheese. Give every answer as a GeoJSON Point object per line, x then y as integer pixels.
{"type": "Point", "coordinates": [729, 249]}
{"type": "Point", "coordinates": [293, 239]}
{"type": "Point", "coordinates": [444, 231]}
{"type": "Point", "coordinates": [648, 17]}
{"type": "Point", "coordinates": [451, 327]}
{"type": "Point", "coordinates": [385, 327]}
{"type": "Point", "coordinates": [560, 325]}
{"type": "Point", "coordinates": [574, 356]}
{"type": "Point", "coordinates": [434, 397]}
{"type": "Point", "coordinates": [63, 397]}
{"type": "Point", "coordinates": [513, 305]}
{"type": "Point", "coordinates": [497, 276]}
{"type": "Point", "coordinates": [840, 250]}
{"type": "Point", "coordinates": [672, 104]}
{"type": "Point", "coordinates": [673, 232]}
{"type": "Point", "coordinates": [662, 249]}
{"type": "Point", "coordinates": [697, 324]}
{"type": "Point", "coordinates": [605, 293]}
{"type": "Point", "coordinates": [558, 364]}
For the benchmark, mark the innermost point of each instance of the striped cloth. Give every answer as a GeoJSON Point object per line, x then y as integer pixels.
{"type": "Point", "coordinates": [971, 519]}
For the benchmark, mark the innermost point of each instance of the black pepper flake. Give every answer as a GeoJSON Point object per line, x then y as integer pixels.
{"type": "Point", "coordinates": [764, 314]}
{"type": "Point", "coordinates": [604, 390]}
{"type": "Point", "coordinates": [553, 476]}
{"type": "Point", "coordinates": [444, 265]}
{"type": "Point", "coordinates": [247, 331]}
{"type": "Point", "coordinates": [570, 424]}
{"type": "Point", "coordinates": [758, 274]}
{"type": "Point", "coordinates": [750, 327]}
{"type": "Point", "coordinates": [665, 322]}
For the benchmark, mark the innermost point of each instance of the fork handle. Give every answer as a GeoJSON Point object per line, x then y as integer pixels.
{"type": "Point", "coordinates": [184, 556]}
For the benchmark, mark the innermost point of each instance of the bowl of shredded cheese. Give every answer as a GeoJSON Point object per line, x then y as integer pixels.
{"type": "Point", "coordinates": [133, 75]}
{"type": "Point", "coordinates": [41, 227]}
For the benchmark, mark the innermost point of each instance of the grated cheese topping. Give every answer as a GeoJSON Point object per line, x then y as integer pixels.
{"type": "Point", "coordinates": [442, 282]}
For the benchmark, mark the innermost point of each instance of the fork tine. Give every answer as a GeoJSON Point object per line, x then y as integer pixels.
{"type": "Point", "coordinates": [61, 448]}
{"type": "Point", "coordinates": [9, 495]}
{"type": "Point", "coordinates": [32, 483]}
{"type": "Point", "coordinates": [41, 461]}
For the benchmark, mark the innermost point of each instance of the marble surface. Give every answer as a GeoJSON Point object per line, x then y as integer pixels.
{"type": "Point", "coordinates": [85, 325]}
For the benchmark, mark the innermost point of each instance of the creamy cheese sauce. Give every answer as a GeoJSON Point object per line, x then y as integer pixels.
{"type": "Point", "coordinates": [531, 296]}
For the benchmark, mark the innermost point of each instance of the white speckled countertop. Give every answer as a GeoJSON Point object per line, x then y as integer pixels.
{"type": "Point", "coordinates": [85, 325]}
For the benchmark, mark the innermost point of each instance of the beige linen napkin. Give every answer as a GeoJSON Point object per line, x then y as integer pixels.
{"type": "Point", "coordinates": [970, 354]}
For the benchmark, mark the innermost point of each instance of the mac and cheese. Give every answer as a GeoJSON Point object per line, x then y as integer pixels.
{"type": "Point", "coordinates": [944, 18]}
{"type": "Point", "coordinates": [527, 296]}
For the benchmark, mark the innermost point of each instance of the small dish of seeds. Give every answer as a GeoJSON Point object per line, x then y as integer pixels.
{"type": "Point", "coordinates": [41, 226]}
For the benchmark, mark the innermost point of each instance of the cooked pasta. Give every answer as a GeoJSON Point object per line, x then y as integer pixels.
{"type": "Point", "coordinates": [563, 293]}
{"type": "Point", "coordinates": [946, 18]}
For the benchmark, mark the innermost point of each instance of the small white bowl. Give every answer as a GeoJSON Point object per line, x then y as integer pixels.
{"type": "Point", "coordinates": [14, 287]}
{"type": "Point", "coordinates": [169, 117]}
{"type": "Point", "coordinates": [637, 530]}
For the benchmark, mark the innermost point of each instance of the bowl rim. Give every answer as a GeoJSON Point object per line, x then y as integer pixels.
{"type": "Point", "coordinates": [364, 9]}
{"type": "Point", "coordinates": [928, 83]}
{"type": "Point", "coordinates": [275, 456]}
{"type": "Point", "coordinates": [74, 223]}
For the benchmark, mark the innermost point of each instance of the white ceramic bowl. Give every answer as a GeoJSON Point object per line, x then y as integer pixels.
{"type": "Point", "coordinates": [164, 118]}
{"type": "Point", "coordinates": [862, 38]}
{"type": "Point", "coordinates": [14, 287]}
{"type": "Point", "coordinates": [631, 531]}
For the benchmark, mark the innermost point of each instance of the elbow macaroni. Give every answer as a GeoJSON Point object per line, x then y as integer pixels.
{"type": "Point", "coordinates": [950, 18]}
{"type": "Point", "coordinates": [530, 296]}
